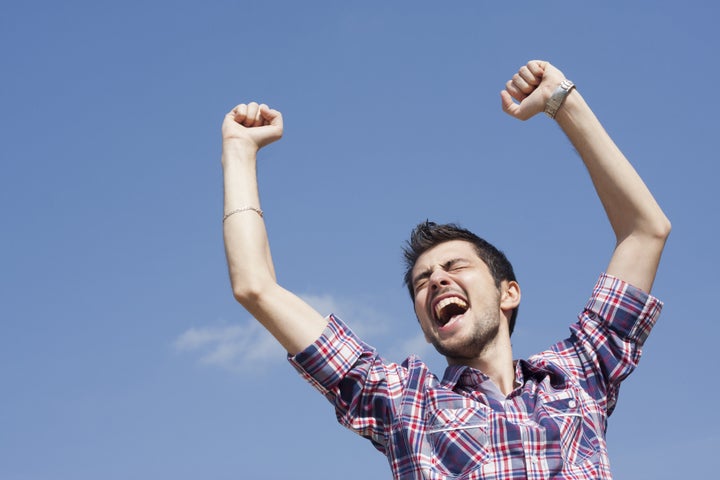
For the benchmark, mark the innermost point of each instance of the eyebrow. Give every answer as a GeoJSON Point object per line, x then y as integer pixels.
{"type": "Point", "coordinates": [447, 265]}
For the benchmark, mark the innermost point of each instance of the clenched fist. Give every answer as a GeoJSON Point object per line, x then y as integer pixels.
{"type": "Point", "coordinates": [252, 125]}
{"type": "Point", "coordinates": [530, 87]}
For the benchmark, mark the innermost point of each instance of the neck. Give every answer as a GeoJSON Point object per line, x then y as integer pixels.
{"type": "Point", "coordinates": [495, 361]}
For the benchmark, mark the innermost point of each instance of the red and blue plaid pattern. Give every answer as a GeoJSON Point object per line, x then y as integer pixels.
{"type": "Point", "coordinates": [552, 426]}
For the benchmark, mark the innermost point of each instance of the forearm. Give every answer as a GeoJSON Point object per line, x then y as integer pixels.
{"type": "Point", "coordinates": [287, 317]}
{"type": "Point", "coordinates": [246, 244]}
{"type": "Point", "coordinates": [641, 228]}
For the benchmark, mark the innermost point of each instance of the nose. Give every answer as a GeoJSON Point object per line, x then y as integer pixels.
{"type": "Point", "coordinates": [439, 278]}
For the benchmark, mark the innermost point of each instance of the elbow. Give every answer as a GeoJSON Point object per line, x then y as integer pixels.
{"type": "Point", "coordinates": [662, 228]}
{"type": "Point", "coordinates": [249, 293]}
{"type": "Point", "coordinates": [655, 233]}
{"type": "Point", "coordinates": [651, 232]}
{"type": "Point", "coordinates": [246, 296]}
{"type": "Point", "coordinates": [668, 227]}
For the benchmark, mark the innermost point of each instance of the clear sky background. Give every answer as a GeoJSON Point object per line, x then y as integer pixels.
{"type": "Point", "coordinates": [122, 352]}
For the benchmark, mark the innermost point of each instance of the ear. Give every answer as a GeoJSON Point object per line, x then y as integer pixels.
{"type": "Point", "coordinates": [509, 296]}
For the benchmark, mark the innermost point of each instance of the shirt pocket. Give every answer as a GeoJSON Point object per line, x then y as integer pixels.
{"type": "Point", "coordinates": [568, 427]}
{"type": "Point", "coordinates": [459, 438]}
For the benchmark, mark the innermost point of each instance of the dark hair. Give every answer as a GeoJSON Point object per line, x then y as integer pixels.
{"type": "Point", "coordinates": [429, 234]}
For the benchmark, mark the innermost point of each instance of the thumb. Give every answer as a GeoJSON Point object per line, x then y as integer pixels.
{"type": "Point", "coordinates": [508, 104]}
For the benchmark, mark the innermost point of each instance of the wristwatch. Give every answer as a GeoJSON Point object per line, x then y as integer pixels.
{"type": "Point", "coordinates": [558, 97]}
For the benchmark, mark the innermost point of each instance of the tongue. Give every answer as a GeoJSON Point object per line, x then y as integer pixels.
{"type": "Point", "coordinates": [448, 312]}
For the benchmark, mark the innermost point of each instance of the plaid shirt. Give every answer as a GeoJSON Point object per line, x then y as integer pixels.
{"type": "Point", "coordinates": [462, 427]}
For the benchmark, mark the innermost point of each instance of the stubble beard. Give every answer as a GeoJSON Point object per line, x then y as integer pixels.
{"type": "Point", "coordinates": [471, 347]}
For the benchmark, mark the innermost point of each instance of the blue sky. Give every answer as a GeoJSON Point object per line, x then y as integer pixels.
{"type": "Point", "coordinates": [122, 352]}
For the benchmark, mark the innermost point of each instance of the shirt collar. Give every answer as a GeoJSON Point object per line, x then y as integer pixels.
{"type": "Point", "coordinates": [462, 376]}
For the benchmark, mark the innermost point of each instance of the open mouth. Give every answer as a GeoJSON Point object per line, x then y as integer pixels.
{"type": "Point", "coordinates": [447, 308]}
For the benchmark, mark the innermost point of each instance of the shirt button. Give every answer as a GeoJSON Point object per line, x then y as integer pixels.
{"type": "Point", "coordinates": [534, 460]}
{"type": "Point", "coordinates": [572, 404]}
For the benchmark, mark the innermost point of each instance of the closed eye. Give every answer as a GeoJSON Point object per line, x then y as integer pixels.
{"type": "Point", "coordinates": [451, 266]}
{"type": "Point", "coordinates": [420, 284]}
{"type": "Point", "coordinates": [455, 265]}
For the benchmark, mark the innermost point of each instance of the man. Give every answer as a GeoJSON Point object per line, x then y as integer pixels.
{"type": "Point", "coordinates": [489, 416]}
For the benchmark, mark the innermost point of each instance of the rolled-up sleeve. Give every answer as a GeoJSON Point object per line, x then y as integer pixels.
{"type": "Point", "coordinates": [353, 377]}
{"type": "Point", "coordinates": [327, 361]}
{"type": "Point", "coordinates": [610, 334]}
{"type": "Point", "coordinates": [627, 310]}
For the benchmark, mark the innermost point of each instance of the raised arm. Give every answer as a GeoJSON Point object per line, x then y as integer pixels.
{"type": "Point", "coordinates": [640, 226]}
{"type": "Point", "coordinates": [246, 129]}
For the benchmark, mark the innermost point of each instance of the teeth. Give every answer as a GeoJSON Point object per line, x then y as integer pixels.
{"type": "Point", "coordinates": [449, 301]}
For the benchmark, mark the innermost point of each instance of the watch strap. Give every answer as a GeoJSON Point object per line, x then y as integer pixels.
{"type": "Point", "coordinates": [558, 97]}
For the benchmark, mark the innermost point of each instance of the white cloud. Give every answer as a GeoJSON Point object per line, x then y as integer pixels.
{"type": "Point", "coordinates": [241, 348]}
{"type": "Point", "coordinates": [364, 320]}
{"type": "Point", "coordinates": [415, 345]}
{"type": "Point", "coordinates": [246, 347]}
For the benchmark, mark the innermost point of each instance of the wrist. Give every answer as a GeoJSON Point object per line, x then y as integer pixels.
{"type": "Point", "coordinates": [558, 98]}
{"type": "Point", "coordinates": [234, 150]}
{"type": "Point", "coordinates": [572, 109]}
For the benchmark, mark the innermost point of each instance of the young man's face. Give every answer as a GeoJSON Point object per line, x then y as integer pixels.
{"type": "Point", "coordinates": [459, 308]}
